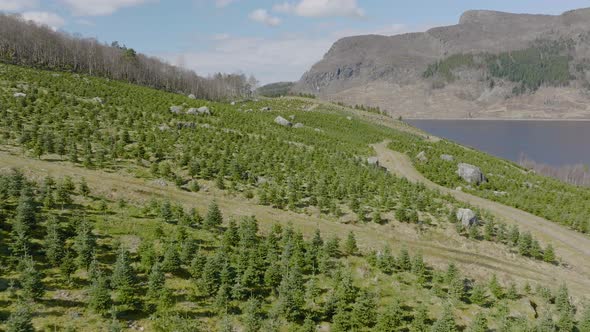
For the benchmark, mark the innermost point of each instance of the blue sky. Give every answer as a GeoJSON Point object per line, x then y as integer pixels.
{"type": "Point", "coordinates": [276, 40]}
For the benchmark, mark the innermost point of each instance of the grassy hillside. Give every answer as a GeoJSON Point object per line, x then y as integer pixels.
{"type": "Point", "coordinates": [75, 258]}
{"type": "Point", "coordinates": [507, 182]}
{"type": "Point", "coordinates": [275, 89]}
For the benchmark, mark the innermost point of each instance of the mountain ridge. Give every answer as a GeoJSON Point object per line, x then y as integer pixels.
{"type": "Point", "coordinates": [376, 70]}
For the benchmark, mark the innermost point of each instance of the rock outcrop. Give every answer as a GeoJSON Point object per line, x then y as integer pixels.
{"type": "Point", "coordinates": [471, 174]}
{"type": "Point", "coordinates": [388, 71]}
{"type": "Point", "coordinates": [467, 217]}
{"type": "Point", "coordinates": [283, 122]}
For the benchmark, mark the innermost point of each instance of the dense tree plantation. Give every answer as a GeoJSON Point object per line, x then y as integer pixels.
{"type": "Point", "coordinates": [507, 182]}
{"type": "Point", "coordinates": [73, 260]}
{"type": "Point", "coordinates": [28, 44]}
{"type": "Point", "coordinates": [543, 63]}
{"type": "Point", "coordinates": [317, 168]}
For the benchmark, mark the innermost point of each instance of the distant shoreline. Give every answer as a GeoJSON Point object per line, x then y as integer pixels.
{"type": "Point", "coordinates": [494, 119]}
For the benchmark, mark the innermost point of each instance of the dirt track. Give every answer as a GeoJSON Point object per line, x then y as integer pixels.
{"type": "Point", "coordinates": [571, 246]}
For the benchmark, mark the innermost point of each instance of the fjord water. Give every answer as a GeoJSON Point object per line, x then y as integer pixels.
{"type": "Point", "coordinates": [555, 143]}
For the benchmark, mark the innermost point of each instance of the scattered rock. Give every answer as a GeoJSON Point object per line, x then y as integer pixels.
{"type": "Point", "coordinates": [470, 173]}
{"type": "Point", "coordinates": [249, 110]}
{"type": "Point", "coordinates": [233, 103]}
{"type": "Point", "coordinates": [373, 161]}
{"type": "Point", "coordinates": [164, 127]}
{"type": "Point", "coordinates": [349, 118]}
{"type": "Point", "coordinates": [422, 156]}
{"type": "Point", "coordinates": [159, 182]}
{"type": "Point", "coordinates": [292, 117]}
{"type": "Point", "coordinates": [266, 108]}
{"type": "Point", "coordinates": [283, 122]}
{"type": "Point", "coordinates": [447, 157]}
{"type": "Point", "coordinates": [192, 96]}
{"type": "Point", "coordinates": [203, 110]}
{"type": "Point", "coordinates": [97, 100]}
{"type": "Point", "coordinates": [318, 130]}
{"type": "Point", "coordinates": [500, 193]}
{"type": "Point", "coordinates": [19, 94]}
{"type": "Point", "coordinates": [181, 125]}
{"type": "Point", "coordinates": [459, 188]}
{"type": "Point", "coordinates": [176, 109]}
{"type": "Point", "coordinates": [298, 125]}
{"type": "Point", "coordinates": [467, 217]}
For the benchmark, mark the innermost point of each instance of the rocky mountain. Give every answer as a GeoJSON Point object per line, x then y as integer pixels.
{"type": "Point", "coordinates": [490, 65]}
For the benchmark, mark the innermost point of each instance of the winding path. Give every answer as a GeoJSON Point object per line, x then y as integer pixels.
{"type": "Point", "coordinates": [571, 246]}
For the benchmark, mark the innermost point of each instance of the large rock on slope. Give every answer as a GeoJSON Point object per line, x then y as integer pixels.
{"type": "Point", "coordinates": [467, 217]}
{"type": "Point", "coordinates": [283, 122]}
{"type": "Point", "coordinates": [471, 174]}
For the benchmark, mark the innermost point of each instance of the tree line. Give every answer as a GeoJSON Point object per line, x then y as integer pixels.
{"type": "Point", "coordinates": [26, 43]}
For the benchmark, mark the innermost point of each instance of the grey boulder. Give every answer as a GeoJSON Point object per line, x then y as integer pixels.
{"type": "Point", "coordinates": [283, 122]}
{"type": "Point", "coordinates": [467, 217]}
{"type": "Point", "coordinates": [447, 157]}
{"type": "Point", "coordinates": [176, 109]}
{"type": "Point", "coordinates": [470, 173]}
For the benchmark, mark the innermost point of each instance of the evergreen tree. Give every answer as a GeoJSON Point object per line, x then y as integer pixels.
{"type": "Point", "coordinates": [252, 315]}
{"type": "Point", "coordinates": [214, 217]}
{"type": "Point", "coordinates": [350, 247]}
{"type": "Point", "coordinates": [364, 311]}
{"type": "Point", "coordinates": [457, 289]}
{"type": "Point", "coordinates": [549, 254]}
{"type": "Point", "coordinates": [21, 319]}
{"type": "Point", "coordinates": [84, 244]}
{"type": "Point", "coordinates": [584, 323]}
{"type": "Point", "coordinates": [512, 293]}
{"type": "Point", "coordinates": [562, 299]}
{"type": "Point", "coordinates": [479, 323]}
{"type": "Point", "coordinates": [156, 280]}
{"type": "Point", "coordinates": [446, 322]}
{"type": "Point", "coordinates": [545, 323]}
{"type": "Point", "coordinates": [53, 244]}
{"type": "Point", "coordinates": [341, 322]}
{"type": "Point", "coordinates": [123, 279]}
{"type": "Point", "coordinates": [99, 296]}
{"type": "Point", "coordinates": [83, 188]}
{"type": "Point", "coordinates": [30, 280]}
{"type": "Point", "coordinates": [171, 261]}
{"type": "Point", "coordinates": [291, 294]}
{"type": "Point", "coordinates": [478, 294]}
{"type": "Point", "coordinates": [391, 319]}
{"type": "Point", "coordinates": [496, 288]}
{"type": "Point", "coordinates": [420, 321]}
{"type": "Point", "coordinates": [404, 261]}
{"type": "Point", "coordinates": [67, 266]}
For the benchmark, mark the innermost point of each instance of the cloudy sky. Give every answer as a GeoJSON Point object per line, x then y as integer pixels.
{"type": "Point", "coordinates": [276, 40]}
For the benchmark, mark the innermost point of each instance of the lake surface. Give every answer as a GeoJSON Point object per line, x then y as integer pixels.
{"type": "Point", "coordinates": [555, 143]}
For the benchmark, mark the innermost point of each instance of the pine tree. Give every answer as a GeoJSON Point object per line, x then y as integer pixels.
{"type": "Point", "coordinates": [84, 244]}
{"type": "Point", "coordinates": [513, 235]}
{"type": "Point", "coordinates": [21, 319]}
{"type": "Point", "coordinates": [83, 188]}
{"type": "Point", "coordinates": [562, 299]}
{"type": "Point", "coordinates": [350, 247]}
{"type": "Point", "coordinates": [123, 279]}
{"type": "Point", "coordinates": [391, 319]}
{"type": "Point", "coordinates": [446, 322]}
{"type": "Point", "coordinates": [489, 231]}
{"type": "Point", "coordinates": [53, 245]}
{"type": "Point", "coordinates": [341, 321]}
{"type": "Point", "coordinates": [99, 296]}
{"type": "Point", "coordinates": [479, 323]}
{"type": "Point", "coordinates": [67, 266]}
{"type": "Point", "coordinates": [457, 289]}
{"type": "Point", "coordinates": [496, 288]}
{"type": "Point", "coordinates": [214, 217]}
{"type": "Point", "coordinates": [545, 323]}
{"type": "Point", "coordinates": [156, 280]}
{"type": "Point", "coordinates": [252, 316]}
{"type": "Point", "coordinates": [584, 323]}
{"type": "Point", "coordinates": [171, 261]}
{"type": "Point", "coordinates": [549, 254]}
{"type": "Point", "coordinates": [420, 321]}
{"type": "Point", "coordinates": [512, 293]}
{"type": "Point", "coordinates": [364, 311]}
{"type": "Point", "coordinates": [30, 279]}
{"type": "Point", "coordinates": [166, 212]}
{"type": "Point", "coordinates": [404, 261]}
{"type": "Point", "coordinates": [478, 294]}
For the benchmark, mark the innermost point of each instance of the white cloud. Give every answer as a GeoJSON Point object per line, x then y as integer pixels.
{"type": "Point", "coordinates": [17, 5]}
{"type": "Point", "coordinates": [220, 36]}
{"type": "Point", "coordinates": [223, 3]}
{"type": "Point", "coordinates": [321, 8]}
{"type": "Point", "coordinates": [262, 16]}
{"type": "Point", "coordinates": [99, 7]}
{"type": "Point", "coordinates": [271, 59]}
{"type": "Point", "coordinates": [52, 20]}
